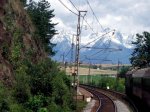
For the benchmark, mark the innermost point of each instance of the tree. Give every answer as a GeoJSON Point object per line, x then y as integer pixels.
{"type": "Point", "coordinates": [41, 16]}
{"type": "Point", "coordinates": [123, 71]}
{"type": "Point", "coordinates": [23, 2]}
{"type": "Point", "coordinates": [141, 54]}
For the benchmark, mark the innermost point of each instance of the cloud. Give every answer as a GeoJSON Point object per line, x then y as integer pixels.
{"type": "Point", "coordinates": [127, 16]}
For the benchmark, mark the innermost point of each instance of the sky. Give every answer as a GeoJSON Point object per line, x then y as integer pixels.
{"type": "Point", "coordinates": [126, 16]}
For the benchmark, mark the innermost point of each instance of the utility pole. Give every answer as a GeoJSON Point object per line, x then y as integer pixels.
{"type": "Point", "coordinates": [71, 63]}
{"type": "Point", "coordinates": [118, 68]}
{"type": "Point", "coordinates": [89, 74]}
{"type": "Point", "coordinates": [78, 50]}
{"type": "Point", "coordinates": [65, 66]}
{"type": "Point", "coordinates": [63, 61]}
{"type": "Point", "coordinates": [71, 58]}
{"type": "Point", "coordinates": [117, 77]}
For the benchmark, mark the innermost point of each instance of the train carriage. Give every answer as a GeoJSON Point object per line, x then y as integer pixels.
{"type": "Point", "coordinates": [138, 87]}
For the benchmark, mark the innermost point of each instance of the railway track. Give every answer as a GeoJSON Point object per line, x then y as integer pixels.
{"type": "Point", "coordinates": [106, 104]}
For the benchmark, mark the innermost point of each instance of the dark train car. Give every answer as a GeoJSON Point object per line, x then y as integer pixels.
{"type": "Point", "coordinates": [138, 88]}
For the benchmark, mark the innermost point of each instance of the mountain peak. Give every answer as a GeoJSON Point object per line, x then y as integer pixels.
{"type": "Point", "coordinates": [116, 41]}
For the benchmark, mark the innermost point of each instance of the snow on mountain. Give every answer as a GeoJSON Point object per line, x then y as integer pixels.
{"type": "Point", "coordinates": [117, 41]}
{"type": "Point", "coordinates": [124, 40]}
{"type": "Point", "coordinates": [63, 44]}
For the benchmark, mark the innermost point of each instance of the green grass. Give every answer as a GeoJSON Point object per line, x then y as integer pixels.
{"type": "Point", "coordinates": [104, 81]}
{"type": "Point", "coordinates": [81, 105]}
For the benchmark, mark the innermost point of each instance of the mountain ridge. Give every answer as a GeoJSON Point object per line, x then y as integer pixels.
{"type": "Point", "coordinates": [116, 46]}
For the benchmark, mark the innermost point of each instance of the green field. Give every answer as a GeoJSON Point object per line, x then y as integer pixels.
{"type": "Point", "coordinates": [104, 81]}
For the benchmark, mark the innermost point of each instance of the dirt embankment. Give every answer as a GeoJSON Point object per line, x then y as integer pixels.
{"type": "Point", "coordinates": [13, 17]}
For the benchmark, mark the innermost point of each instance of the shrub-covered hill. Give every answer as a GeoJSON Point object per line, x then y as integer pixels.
{"type": "Point", "coordinates": [29, 80]}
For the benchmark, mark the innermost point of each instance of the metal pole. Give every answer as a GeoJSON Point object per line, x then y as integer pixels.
{"type": "Point", "coordinates": [78, 53]}
{"type": "Point", "coordinates": [117, 77]}
{"type": "Point", "coordinates": [77, 46]}
{"type": "Point", "coordinates": [89, 72]}
{"type": "Point", "coordinates": [72, 51]}
{"type": "Point", "coordinates": [63, 61]}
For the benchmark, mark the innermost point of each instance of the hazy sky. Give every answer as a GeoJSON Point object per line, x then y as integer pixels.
{"type": "Point", "coordinates": [126, 16]}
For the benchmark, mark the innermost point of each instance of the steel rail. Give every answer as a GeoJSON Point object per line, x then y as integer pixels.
{"type": "Point", "coordinates": [123, 97]}
{"type": "Point", "coordinates": [101, 97]}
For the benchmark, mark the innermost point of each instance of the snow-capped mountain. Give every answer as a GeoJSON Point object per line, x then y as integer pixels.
{"type": "Point", "coordinates": [63, 44]}
{"type": "Point", "coordinates": [114, 46]}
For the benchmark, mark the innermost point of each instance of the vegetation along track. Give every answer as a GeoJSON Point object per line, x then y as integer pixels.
{"type": "Point", "coordinates": [106, 104]}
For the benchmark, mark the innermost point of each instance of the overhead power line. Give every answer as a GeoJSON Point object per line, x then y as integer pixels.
{"type": "Point", "coordinates": [82, 16]}
{"type": "Point", "coordinates": [68, 53]}
{"type": "Point", "coordinates": [95, 15]}
{"type": "Point", "coordinates": [97, 52]}
{"type": "Point", "coordinates": [99, 59]}
{"type": "Point", "coordinates": [67, 7]}
{"type": "Point", "coordinates": [96, 39]}
{"type": "Point", "coordinates": [104, 48]}
{"type": "Point", "coordinates": [73, 5]}
{"type": "Point", "coordinates": [88, 24]}
{"type": "Point", "coordinates": [76, 13]}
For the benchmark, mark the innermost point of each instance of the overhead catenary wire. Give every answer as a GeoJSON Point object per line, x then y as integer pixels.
{"type": "Point", "coordinates": [103, 48]}
{"type": "Point", "coordinates": [100, 59]}
{"type": "Point", "coordinates": [68, 52]}
{"type": "Point", "coordinates": [83, 16]}
{"type": "Point", "coordinates": [76, 13]}
{"type": "Point", "coordinates": [97, 39]}
{"type": "Point", "coordinates": [67, 8]}
{"type": "Point", "coordinates": [97, 52]}
{"type": "Point", "coordinates": [95, 15]}
{"type": "Point", "coordinates": [88, 25]}
{"type": "Point", "coordinates": [73, 5]}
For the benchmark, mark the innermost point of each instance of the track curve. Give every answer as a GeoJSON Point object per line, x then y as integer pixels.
{"type": "Point", "coordinates": [106, 104]}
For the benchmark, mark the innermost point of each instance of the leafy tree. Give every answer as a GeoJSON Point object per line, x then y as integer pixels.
{"type": "Point", "coordinates": [123, 71]}
{"type": "Point", "coordinates": [141, 54]}
{"type": "Point", "coordinates": [41, 76]}
{"type": "Point", "coordinates": [41, 16]}
{"type": "Point", "coordinates": [61, 93]}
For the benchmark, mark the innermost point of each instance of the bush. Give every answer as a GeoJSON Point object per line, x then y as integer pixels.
{"type": "Point", "coordinates": [14, 107]}
{"type": "Point", "coordinates": [123, 71]}
{"type": "Point", "coordinates": [36, 103]}
{"type": "Point", "coordinates": [61, 93]}
{"type": "Point", "coordinates": [4, 106]}
{"type": "Point", "coordinates": [41, 77]}
{"type": "Point", "coordinates": [50, 88]}
{"type": "Point", "coordinates": [21, 89]}
{"type": "Point", "coordinates": [43, 110]}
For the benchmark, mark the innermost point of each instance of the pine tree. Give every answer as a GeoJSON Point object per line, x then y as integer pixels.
{"type": "Point", "coordinates": [141, 54]}
{"type": "Point", "coordinates": [23, 2]}
{"type": "Point", "coordinates": [41, 16]}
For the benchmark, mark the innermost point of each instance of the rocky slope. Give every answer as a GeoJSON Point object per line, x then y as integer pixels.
{"type": "Point", "coordinates": [17, 39]}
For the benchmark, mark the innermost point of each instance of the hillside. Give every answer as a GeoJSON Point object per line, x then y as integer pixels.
{"type": "Point", "coordinates": [16, 38]}
{"type": "Point", "coordinates": [29, 80]}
